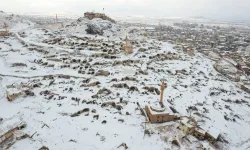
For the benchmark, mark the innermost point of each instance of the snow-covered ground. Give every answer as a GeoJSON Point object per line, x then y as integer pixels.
{"type": "Point", "coordinates": [191, 81]}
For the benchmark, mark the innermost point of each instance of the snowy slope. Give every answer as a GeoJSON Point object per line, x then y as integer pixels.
{"type": "Point", "coordinates": [80, 25]}
{"type": "Point", "coordinates": [14, 22]}
{"type": "Point", "coordinates": [191, 81]}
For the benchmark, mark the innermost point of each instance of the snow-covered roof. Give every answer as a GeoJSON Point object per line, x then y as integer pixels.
{"type": "Point", "coordinates": [161, 110]}
{"type": "Point", "coordinates": [8, 125]}
{"type": "Point", "coordinates": [214, 132]}
{"type": "Point", "coordinates": [186, 121]}
{"type": "Point", "coordinates": [200, 130]}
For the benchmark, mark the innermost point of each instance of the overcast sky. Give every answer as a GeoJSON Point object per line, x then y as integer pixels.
{"type": "Point", "coordinates": [230, 10]}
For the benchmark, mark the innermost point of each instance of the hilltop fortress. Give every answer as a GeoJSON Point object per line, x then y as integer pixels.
{"type": "Point", "coordinates": [92, 15]}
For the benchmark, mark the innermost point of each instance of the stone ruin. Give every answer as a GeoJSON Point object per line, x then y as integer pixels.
{"type": "Point", "coordinates": [92, 15]}
{"type": "Point", "coordinates": [159, 116]}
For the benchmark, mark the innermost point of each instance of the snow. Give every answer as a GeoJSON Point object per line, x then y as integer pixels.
{"type": "Point", "coordinates": [247, 52]}
{"type": "Point", "coordinates": [128, 70]}
{"type": "Point", "coordinates": [9, 125]}
{"type": "Point", "coordinates": [213, 131]}
{"type": "Point", "coordinates": [183, 91]}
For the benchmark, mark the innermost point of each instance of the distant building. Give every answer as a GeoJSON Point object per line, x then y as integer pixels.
{"type": "Point", "coordinates": [127, 47]}
{"type": "Point", "coordinates": [92, 15]}
{"type": "Point", "coordinates": [189, 50]}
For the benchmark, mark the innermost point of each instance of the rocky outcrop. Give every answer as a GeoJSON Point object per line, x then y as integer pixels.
{"type": "Point", "coordinates": [98, 26]}
{"type": "Point", "coordinates": [94, 29]}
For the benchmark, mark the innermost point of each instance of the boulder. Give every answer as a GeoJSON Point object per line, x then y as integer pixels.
{"type": "Point", "coordinates": [94, 29]}
{"type": "Point", "coordinates": [97, 26]}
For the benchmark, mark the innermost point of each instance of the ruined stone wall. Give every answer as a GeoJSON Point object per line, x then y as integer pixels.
{"type": "Point", "coordinates": [7, 135]}
{"type": "Point", "coordinates": [190, 52]}
{"type": "Point", "coordinates": [186, 129]}
{"type": "Point", "coordinates": [4, 33]}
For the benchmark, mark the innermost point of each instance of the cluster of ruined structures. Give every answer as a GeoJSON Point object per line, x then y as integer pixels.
{"type": "Point", "coordinates": [188, 125]}
{"type": "Point", "coordinates": [10, 132]}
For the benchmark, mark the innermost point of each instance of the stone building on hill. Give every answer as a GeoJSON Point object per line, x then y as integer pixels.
{"type": "Point", "coordinates": [92, 15]}
{"type": "Point", "coordinates": [159, 116]}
